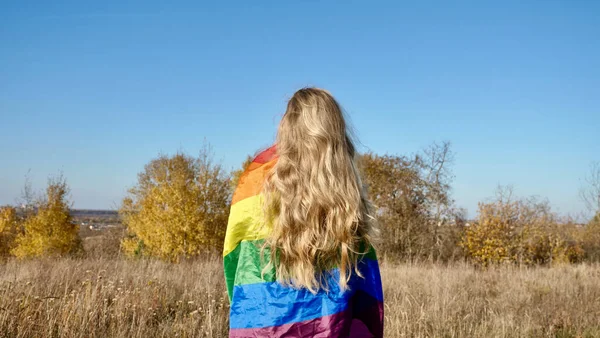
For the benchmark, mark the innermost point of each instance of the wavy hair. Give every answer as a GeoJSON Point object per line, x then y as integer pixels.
{"type": "Point", "coordinates": [314, 196]}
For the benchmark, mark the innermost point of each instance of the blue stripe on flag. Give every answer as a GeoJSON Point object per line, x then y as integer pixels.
{"type": "Point", "coordinates": [272, 304]}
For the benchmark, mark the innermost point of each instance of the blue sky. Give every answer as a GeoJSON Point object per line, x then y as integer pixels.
{"type": "Point", "coordinates": [98, 89]}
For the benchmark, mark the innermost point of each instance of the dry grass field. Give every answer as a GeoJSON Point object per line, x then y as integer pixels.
{"type": "Point", "coordinates": [122, 298]}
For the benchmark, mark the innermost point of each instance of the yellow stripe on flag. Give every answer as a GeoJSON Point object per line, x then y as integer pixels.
{"type": "Point", "coordinates": [245, 223]}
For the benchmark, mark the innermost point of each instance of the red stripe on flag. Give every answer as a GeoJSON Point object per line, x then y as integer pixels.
{"type": "Point", "coordinates": [265, 156]}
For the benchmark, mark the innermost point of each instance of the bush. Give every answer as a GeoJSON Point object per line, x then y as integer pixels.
{"type": "Point", "coordinates": [591, 239]}
{"type": "Point", "coordinates": [519, 231]}
{"type": "Point", "coordinates": [8, 229]}
{"type": "Point", "coordinates": [179, 208]}
{"type": "Point", "coordinates": [50, 230]}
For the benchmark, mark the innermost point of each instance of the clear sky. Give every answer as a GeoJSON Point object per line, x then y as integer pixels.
{"type": "Point", "coordinates": [98, 89]}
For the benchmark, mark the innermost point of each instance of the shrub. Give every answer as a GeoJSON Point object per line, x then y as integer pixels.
{"type": "Point", "coordinates": [179, 208]}
{"type": "Point", "coordinates": [50, 230]}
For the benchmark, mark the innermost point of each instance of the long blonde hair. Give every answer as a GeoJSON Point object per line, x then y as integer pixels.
{"type": "Point", "coordinates": [314, 196]}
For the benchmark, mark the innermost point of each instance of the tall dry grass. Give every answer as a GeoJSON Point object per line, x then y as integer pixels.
{"type": "Point", "coordinates": [461, 301]}
{"type": "Point", "coordinates": [112, 298]}
{"type": "Point", "coordinates": [121, 298]}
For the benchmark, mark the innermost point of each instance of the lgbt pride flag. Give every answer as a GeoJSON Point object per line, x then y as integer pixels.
{"type": "Point", "coordinates": [262, 307]}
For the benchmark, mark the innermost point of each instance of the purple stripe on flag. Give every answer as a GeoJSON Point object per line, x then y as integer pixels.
{"type": "Point", "coordinates": [359, 322]}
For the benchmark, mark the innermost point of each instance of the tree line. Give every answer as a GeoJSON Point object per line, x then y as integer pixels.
{"type": "Point", "coordinates": [178, 209]}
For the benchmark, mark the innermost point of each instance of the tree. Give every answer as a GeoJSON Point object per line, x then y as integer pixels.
{"type": "Point", "coordinates": [491, 239]}
{"type": "Point", "coordinates": [178, 208]}
{"type": "Point", "coordinates": [8, 229]}
{"type": "Point", "coordinates": [591, 239]}
{"type": "Point", "coordinates": [435, 161]}
{"type": "Point", "coordinates": [412, 198]}
{"type": "Point", "coordinates": [590, 191]}
{"type": "Point", "coordinates": [443, 225]}
{"type": "Point", "coordinates": [590, 195]}
{"type": "Point", "coordinates": [399, 194]}
{"type": "Point", "coordinates": [524, 231]}
{"type": "Point", "coordinates": [49, 231]}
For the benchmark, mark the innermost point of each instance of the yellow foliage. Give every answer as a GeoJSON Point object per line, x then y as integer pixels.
{"type": "Point", "coordinates": [8, 229]}
{"type": "Point", "coordinates": [544, 243]}
{"type": "Point", "coordinates": [50, 231]}
{"type": "Point", "coordinates": [522, 231]}
{"type": "Point", "coordinates": [591, 239]}
{"type": "Point", "coordinates": [179, 208]}
{"type": "Point", "coordinates": [132, 246]}
{"type": "Point", "coordinates": [491, 239]}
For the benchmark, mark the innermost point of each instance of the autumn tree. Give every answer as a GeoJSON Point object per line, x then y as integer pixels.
{"type": "Point", "coordinates": [444, 218]}
{"type": "Point", "coordinates": [590, 191]}
{"type": "Point", "coordinates": [396, 191]}
{"type": "Point", "coordinates": [412, 198]}
{"type": "Point", "coordinates": [178, 208]}
{"type": "Point", "coordinates": [49, 231]}
{"type": "Point", "coordinates": [8, 229]}
{"type": "Point", "coordinates": [590, 194]}
{"type": "Point", "coordinates": [524, 231]}
{"type": "Point", "coordinates": [591, 239]}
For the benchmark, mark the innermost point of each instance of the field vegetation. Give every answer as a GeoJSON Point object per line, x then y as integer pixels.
{"type": "Point", "coordinates": [516, 269]}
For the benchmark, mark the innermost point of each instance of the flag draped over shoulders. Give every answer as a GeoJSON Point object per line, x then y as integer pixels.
{"type": "Point", "coordinates": [262, 307]}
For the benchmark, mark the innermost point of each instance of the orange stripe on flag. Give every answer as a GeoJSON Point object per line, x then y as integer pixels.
{"type": "Point", "coordinates": [252, 180]}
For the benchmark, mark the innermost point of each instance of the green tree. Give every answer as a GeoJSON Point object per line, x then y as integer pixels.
{"type": "Point", "coordinates": [178, 208]}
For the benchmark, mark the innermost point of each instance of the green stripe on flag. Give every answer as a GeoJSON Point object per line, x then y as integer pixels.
{"type": "Point", "coordinates": [244, 265]}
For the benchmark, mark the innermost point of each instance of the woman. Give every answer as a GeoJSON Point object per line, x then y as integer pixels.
{"type": "Point", "coordinates": [298, 257]}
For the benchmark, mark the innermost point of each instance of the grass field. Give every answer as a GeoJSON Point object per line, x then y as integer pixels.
{"type": "Point", "coordinates": [121, 298]}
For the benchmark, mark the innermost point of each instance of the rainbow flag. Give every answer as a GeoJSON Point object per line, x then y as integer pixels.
{"type": "Point", "coordinates": [262, 307]}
